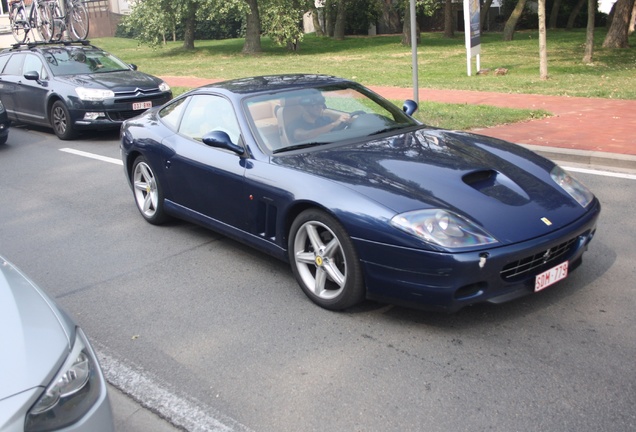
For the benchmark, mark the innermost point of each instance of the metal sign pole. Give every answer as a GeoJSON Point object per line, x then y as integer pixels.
{"type": "Point", "coordinates": [414, 51]}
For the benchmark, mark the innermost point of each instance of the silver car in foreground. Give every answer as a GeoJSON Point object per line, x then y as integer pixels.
{"type": "Point", "coordinates": [50, 379]}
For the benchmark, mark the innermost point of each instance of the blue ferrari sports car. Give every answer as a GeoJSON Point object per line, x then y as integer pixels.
{"type": "Point", "coordinates": [360, 198]}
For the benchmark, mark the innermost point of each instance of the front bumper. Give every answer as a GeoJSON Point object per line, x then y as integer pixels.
{"type": "Point", "coordinates": [101, 115]}
{"type": "Point", "coordinates": [449, 282]}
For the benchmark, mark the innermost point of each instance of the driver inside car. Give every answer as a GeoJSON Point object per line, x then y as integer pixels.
{"type": "Point", "coordinates": [315, 119]}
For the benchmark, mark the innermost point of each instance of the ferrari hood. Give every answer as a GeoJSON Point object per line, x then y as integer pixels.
{"type": "Point", "coordinates": [502, 187]}
{"type": "Point", "coordinates": [34, 334]}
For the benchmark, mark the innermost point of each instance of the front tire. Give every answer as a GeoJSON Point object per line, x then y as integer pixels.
{"type": "Point", "coordinates": [61, 121]}
{"type": "Point", "coordinates": [324, 261]}
{"type": "Point", "coordinates": [148, 192]}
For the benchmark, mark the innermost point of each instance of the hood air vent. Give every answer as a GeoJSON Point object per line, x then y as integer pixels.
{"type": "Point", "coordinates": [496, 185]}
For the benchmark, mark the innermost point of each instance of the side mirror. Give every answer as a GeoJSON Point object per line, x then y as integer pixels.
{"type": "Point", "coordinates": [409, 107]}
{"type": "Point", "coordinates": [32, 75]}
{"type": "Point", "coordinates": [133, 66]}
{"type": "Point", "coordinates": [221, 140]}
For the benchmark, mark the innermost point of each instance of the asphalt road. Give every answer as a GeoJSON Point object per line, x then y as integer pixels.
{"type": "Point", "coordinates": [218, 337]}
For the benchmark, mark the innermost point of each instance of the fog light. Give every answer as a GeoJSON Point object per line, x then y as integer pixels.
{"type": "Point", "coordinates": [93, 115]}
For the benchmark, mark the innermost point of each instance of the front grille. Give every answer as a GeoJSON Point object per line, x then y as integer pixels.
{"type": "Point", "coordinates": [138, 96]}
{"type": "Point", "coordinates": [546, 259]}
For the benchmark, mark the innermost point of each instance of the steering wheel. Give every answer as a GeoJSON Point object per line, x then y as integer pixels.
{"type": "Point", "coordinates": [352, 117]}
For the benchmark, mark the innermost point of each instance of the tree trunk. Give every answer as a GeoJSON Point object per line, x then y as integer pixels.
{"type": "Point", "coordinates": [316, 19]}
{"type": "Point", "coordinates": [449, 30]}
{"type": "Point", "coordinates": [543, 48]}
{"type": "Point", "coordinates": [252, 29]}
{"type": "Point", "coordinates": [632, 24]}
{"type": "Point", "coordinates": [328, 10]}
{"type": "Point", "coordinates": [484, 14]}
{"type": "Point", "coordinates": [589, 40]}
{"type": "Point", "coordinates": [575, 13]}
{"type": "Point", "coordinates": [610, 16]}
{"type": "Point", "coordinates": [389, 21]}
{"type": "Point", "coordinates": [509, 28]}
{"type": "Point", "coordinates": [617, 35]}
{"type": "Point", "coordinates": [406, 27]}
{"type": "Point", "coordinates": [554, 15]}
{"type": "Point", "coordinates": [189, 25]}
{"type": "Point", "coordinates": [341, 21]}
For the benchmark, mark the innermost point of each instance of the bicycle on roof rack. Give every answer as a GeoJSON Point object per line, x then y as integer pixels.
{"type": "Point", "coordinates": [27, 16]}
{"type": "Point", "coordinates": [70, 17]}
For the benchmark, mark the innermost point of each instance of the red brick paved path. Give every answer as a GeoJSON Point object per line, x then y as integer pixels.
{"type": "Point", "coordinates": [605, 125]}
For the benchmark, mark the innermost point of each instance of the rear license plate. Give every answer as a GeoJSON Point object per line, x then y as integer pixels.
{"type": "Point", "coordinates": [141, 105]}
{"type": "Point", "coordinates": [551, 276]}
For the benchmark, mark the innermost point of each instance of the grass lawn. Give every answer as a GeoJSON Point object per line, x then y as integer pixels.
{"type": "Point", "coordinates": [382, 60]}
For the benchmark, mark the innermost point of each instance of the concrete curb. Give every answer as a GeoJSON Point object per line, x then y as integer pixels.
{"type": "Point", "coordinates": [590, 158]}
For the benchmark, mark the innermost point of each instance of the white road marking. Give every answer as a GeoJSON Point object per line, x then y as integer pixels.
{"type": "Point", "coordinates": [181, 412]}
{"type": "Point", "coordinates": [92, 156]}
{"type": "Point", "coordinates": [601, 173]}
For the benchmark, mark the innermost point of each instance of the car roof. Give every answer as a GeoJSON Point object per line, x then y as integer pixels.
{"type": "Point", "coordinates": [272, 83]}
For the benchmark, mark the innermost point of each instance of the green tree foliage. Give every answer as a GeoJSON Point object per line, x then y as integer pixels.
{"type": "Point", "coordinates": [152, 21]}
{"type": "Point", "coordinates": [281, 20]}
{"type": "Point", "coordinates": [361, 15]}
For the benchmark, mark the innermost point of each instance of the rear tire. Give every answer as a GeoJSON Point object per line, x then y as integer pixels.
{"type": "Point", "coordinates": [148, 192]}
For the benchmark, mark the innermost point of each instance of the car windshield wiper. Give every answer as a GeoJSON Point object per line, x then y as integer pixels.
{"type": "Point", "coordinates": [389, 129]}
{"type": "Point", "coordinates": [299, 146]}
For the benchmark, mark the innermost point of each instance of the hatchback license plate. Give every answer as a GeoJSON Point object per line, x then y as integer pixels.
{"type": "Point", "coordinates": [141, 105]}
{"type": "Point", "coordinates": [551, 276]}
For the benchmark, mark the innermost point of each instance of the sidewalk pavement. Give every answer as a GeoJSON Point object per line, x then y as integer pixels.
{"type": "Point", "coordinates": [599, 132]}
{"type": "Point", "coordinates": [130, 416]}
{"type": "Point", "coordinates": [591, 131]}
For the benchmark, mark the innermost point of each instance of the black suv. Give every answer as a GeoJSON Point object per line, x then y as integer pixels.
{"type": "Point", "coordinates": [74, 86]}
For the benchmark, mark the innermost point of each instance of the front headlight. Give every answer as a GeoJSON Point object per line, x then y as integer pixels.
{"type": "Point", "coordinates": [71, 394]}
{"type": "Point", "coordinates": [443, 228]}
{"type": "Point", "coordinates": [572, 186]}
{"type": "Point", "coordinates": [164, 87]}
{"type": "Point", "coordinates": [95, 95]}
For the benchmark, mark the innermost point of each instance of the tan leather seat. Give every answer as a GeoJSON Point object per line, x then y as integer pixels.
{"type": "Point", "coordinates": [288, 113]}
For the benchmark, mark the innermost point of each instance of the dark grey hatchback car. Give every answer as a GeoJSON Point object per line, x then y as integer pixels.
{"type": "Point", "coordinates": [73, 87]}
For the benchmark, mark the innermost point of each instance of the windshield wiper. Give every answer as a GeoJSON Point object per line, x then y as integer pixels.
{"type": "Point", "coordinates": [388, 129]}
{"type": "Point", "coordinates": [299, 146]}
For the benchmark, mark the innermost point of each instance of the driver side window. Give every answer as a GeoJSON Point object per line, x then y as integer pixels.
{"type": "Point", "coordinates": [33, 63]}
{"type": "Point", "coordinates": [207, 113]}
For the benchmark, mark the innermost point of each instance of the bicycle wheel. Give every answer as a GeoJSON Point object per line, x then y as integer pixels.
{"type": "Point", "coordinates": [52, 21]}
{"type": "Point", "coordinates": [78, 20]}
{"type": "Point", "coordinates": [40, 18]}
{"type": "Point", "coordinates": [19, 24]}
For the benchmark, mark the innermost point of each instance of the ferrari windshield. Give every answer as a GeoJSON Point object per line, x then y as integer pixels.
{"type": "Point", "coordinates": [295, 119]}
{"type": "Point", "coordinates": [80, 60]}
